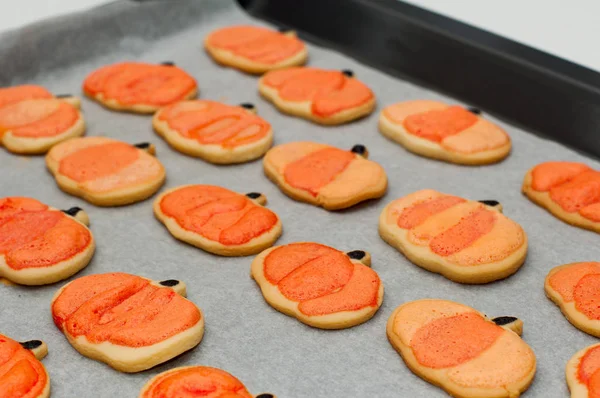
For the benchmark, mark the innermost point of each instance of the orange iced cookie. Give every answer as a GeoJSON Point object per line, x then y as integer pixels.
{"type": "Point", "coordinates": [323, 96]}
{"type": "Point", "coordinates": [451, 133]}
{"type": "Point", "coordinates": [196, 382]}
{"type": "Point", "coordinates": [583, 373]}
{"type": "Point", "coordinates": [213, 131]}
{"type": "Point", "coordinates": [32, 120]}
{"type": "Point", "coordinates": [139, 87]}
{"type": "Point", "coordinates": [568, 190]}
{"type": "Point", "coordinates": [129, 322]}
{"type": "Point", "coordinates": [575, 288]}
{"type": "Point", "coordinates": [324, 175]}
{"type": "Point", "coordinates": [22, 375]}
{"type": "Point", "coordinates": [458, 349]}
{"type": "Point", "coordinates": [106, 172]}
{"type": "Point", "coordinates": [253, 49]}
{"type": "Point", "coordinates": [41, 245]}
{"type": "Point", "coordinates": [464, 240]}
{"type": "Point", "coordinates": [319, 285]}
{"type": "Point", "coordinates": [218, 220]}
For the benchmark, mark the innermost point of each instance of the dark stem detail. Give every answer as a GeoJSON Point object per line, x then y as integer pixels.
{"type": "Point", "coordinates": [72, 211]}
{"type": "Point", "coordinates": [168, 63]}
{"type": "Point", "coordinates": [474, 110]}
{"type": "Point", "coordinates": [283, 30]}
{"type": "Point", "coordinates": [63, 95]}
{"type": "Point", "coordinates": [356, 254]}
{"type": "Point", "coordinates": [265, 396]}
{"type": "Point", "coordinates": [142, 145]}
{"type": "Point", "coordinates": [31, 344]}
{"type": "Point", "coordinates": [359, 149]}
{"type": "Point", "coordinates": [492, 203]}
{"type": "Point", "coordinates": [169, 282]}
{"type": "Point", "coordinates": [253, 195]}
{"type": "Point", "coordinates": [247, 105]}
{"type": "Point", "coordinates": [504, 320]}
{"type": "Point", "coordinates": [348, 72]}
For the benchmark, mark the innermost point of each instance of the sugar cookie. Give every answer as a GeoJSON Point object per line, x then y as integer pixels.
{"type": "Point", "coordinates": [218, 220]}
{"type": "Point", "coordinates": [324, 175]}
{"type": "Point", "coordinates": [106, 172]}
{"type": "Point", "coordinates": [139, 87]}
{"type": "Point", "coordinates": [464, 240]}
{"type": "Point", "coordinates": [458, 349]}
{"type": "Point", "coordinates": [319, 285]}
{"type": "Point", "coordinates": [22, 375]}
{"type": "Point", "coordinates": [323, 96]}
{"type": "Point", "coordinates": [451, 133]}
{"type": "Point", "coordinates": [213, 131]}
{"type": "Point", "coordinates": [32, 120]}
{"type": "Point", "coordinates": [129, 322]}
{"type": "Point", "coordinates": [583, 375]}
{"type": "Point", "coordinates": [253, 49]}
{"type": "Point", "coordinates": [568, 190]}
{"type": "Point", "coordinates": [41, 245]}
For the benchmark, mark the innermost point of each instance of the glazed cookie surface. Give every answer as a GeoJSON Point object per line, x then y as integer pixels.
{"type": "Point", "coordinates": [466, 241]}
{"type": "Point", "coordinates": [583, 373]}
{"type": "Point", "coordinates": [32, 120]}
{"type": "Point", "coordinates": [22, 375]}
{"type": "Point", "coordinates": [458, 349]}
{"type": "Point", "coordinates": [104, 171]}
{"type": "Point", "coordinates": [319, 285]}
{"type": "Point", "coordinates": [450, 133]}
{"type": "Point", "coordinates": [324, 175]}
{"type": "Point", "coordinates": [129, 322]}
{"type": "Point", "coordinates": [218, 220]}
{"type": "Point", "coordinates": [254, 49]}
{"type": "Point", "coordinates": [41, 245]}
{"type": "Point", "coordinates": [323, 96]}
{"type": "Point", "coordinates": [568, 190]}
{"type": "Point", "coordinates": [213, 131]}
{"type": "Point", "coordinates": [139, 87]}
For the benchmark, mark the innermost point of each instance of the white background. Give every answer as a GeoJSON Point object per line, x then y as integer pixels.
{"type": "Point", "coordinates": [568, 28]}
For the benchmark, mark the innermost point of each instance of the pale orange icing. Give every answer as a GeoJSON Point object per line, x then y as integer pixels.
{"type": "Point", "coordinates": [218, 214]}
{"type": "Point", "coordinates": [462, 235]}
{"type": "Point", "coordinates": [21, 374]}
{"type": "Point", "coordinates": [37, 118]}
{"type": "Point", "coordinates": [482, 136]}
{"type": "Point", "coordinates": [321, 279]}
{"type": "Point", "coordinates": [12, 95]}
{"type": "Point", "coordinates": [213, 123]}
{"type": "Point", "coordinates": [435, 125]}
{"type": "Point", "coordinates": [122, 309]}
{"type": "Point", "coordinates": [419, 212]}
{"type": "Point", "coordinates": [565, 279]}
{"type": "Point", "coordinates": [254, 43]}
{"type": "Point", "coordinates": [196, 382]}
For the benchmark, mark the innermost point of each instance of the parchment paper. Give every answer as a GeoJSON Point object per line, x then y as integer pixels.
{"type": "Point", "coordinates": [268, 351]}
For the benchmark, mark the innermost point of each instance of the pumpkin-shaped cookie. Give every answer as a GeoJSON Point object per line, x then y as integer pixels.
{"type": "Point", "coordinates": [196, 382]}
{"type": "Point", "coordinates": [213, 131]}
{"type": "Point", "coordinates": [139, 87]}
{"type": "Point", "coordinates": [319, 285]}
{"type": "Point", "coordinates": [568, 190]}
{"type": "Point", "coordinates": [22, 375]}
{"type": "Point", "coordinates": [464, 240]}
{"type": "Point", "coordinates": [583, 373]}
{"type": "Point", "coordinates": [41, 245]}
{"type": "Point", "coordinates": [323, 96]}
{"type": "Point", "coordinates": [451, 133]}
{"type": "Point", "coordinates": [106, 172]}
{"type": "Point", "coordinates": [218, 220]}
{"type": "Point", "coordinates": [32, 120]}
{"type": "Point", "coordinates": [324, 175]}
{"type": "Point", "coordinates": [458, 349]}
{"type": "Point", "coordinates": [254, 49]}
{"type": "Point", "coordinates": [129, 322]}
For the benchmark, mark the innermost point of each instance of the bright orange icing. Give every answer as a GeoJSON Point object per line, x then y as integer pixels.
{"type": "Point", "coordinates": [587, 296]}
{"type": "Point", "coordinates": [213, 123]}
{"type": "Point", "coordinates": [565, 279]}
{"type": "Point", "coordinates": [196, 382]}
{"type": "Point", "coordinates": [451, 341]}
{"type": "Point", "coordinates": [33, 237]}
{"type": "Point", "coordinates": [122, 309]}
{"type": "Point", "coordinates": [317, 169]}
{"type": "Point", "coordinates": [12, 95]}
{"type": "Point", "coordinates": [257, 44]}
{"type": "Point", "coordinates": [550, 174]}
{"type": "Point", "coordinates": [37, 118]}
{"type": "Point", "coordinates": [329, 92]}
{"type": "Point", "coordinates": [321, 279]}
{"type": "Point", "coordinates": [132, 83]}
{"type": "Point", "coordinates": [588, 364]}
{"type": "Point", "coordinates": [463, 234]}
{"type": "Point", "coordinates": [21, 374]}
{"type": "Point", "coordinates": [415, 215]}
{"type": "Point", "coordinates": [218, 214]}
{"type": "Point", "coordinates": [581, 191]}
{"type": "Point", "coordinates": [435, 125]}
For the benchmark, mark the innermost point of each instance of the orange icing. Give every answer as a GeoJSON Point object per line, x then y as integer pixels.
{"type": "Point", "coordinates": [21, 374]}
{"type": "Point", "coordinates": [122, 309]}
{"type": "Point", "coordinates": [550, 174]}
{"type": "Point", "coordinates": [317, 169]}
{"type": "Point", "coordinates": [218, 214]}
{"type": "Point", "coordinates": [132, 83]}
{"type": "Point", "coordinates": [463, 234]}
{"type": "Point", "coordinates": [321, 279]}
{"type": "Point", "coordinates": [12, 95]}
{"type": "Point", "coordinates": [213, 123]}
{"type": "Point", "coordinates": [435, 125]}
{"type": "Point", "coordinates": [588, 364]}
{"type": "Point", "coordinates": [451, 341]}
{"type": "Point", "coordinates": [257, 44]}
{"type": "Point", "coordinates": [195, 382]}
{"type": "Point", "coordinates": [417, 214]}
{"type": "Point", "coordinates": [37, 118]}
{"type": "Point", "coordinates": [587, 296]}
{"type": "Point", "coordinates": [329, 92]}
{"type": "Point", "coordinates": [565, 279]}
{"type": "Point", "coordinates": [581, 191]}
{"type": "Point", "coordinates": [33, 237]}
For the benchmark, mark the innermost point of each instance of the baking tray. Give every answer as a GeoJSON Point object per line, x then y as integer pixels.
{"type": "Point", "coordinates": [269, 351]}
